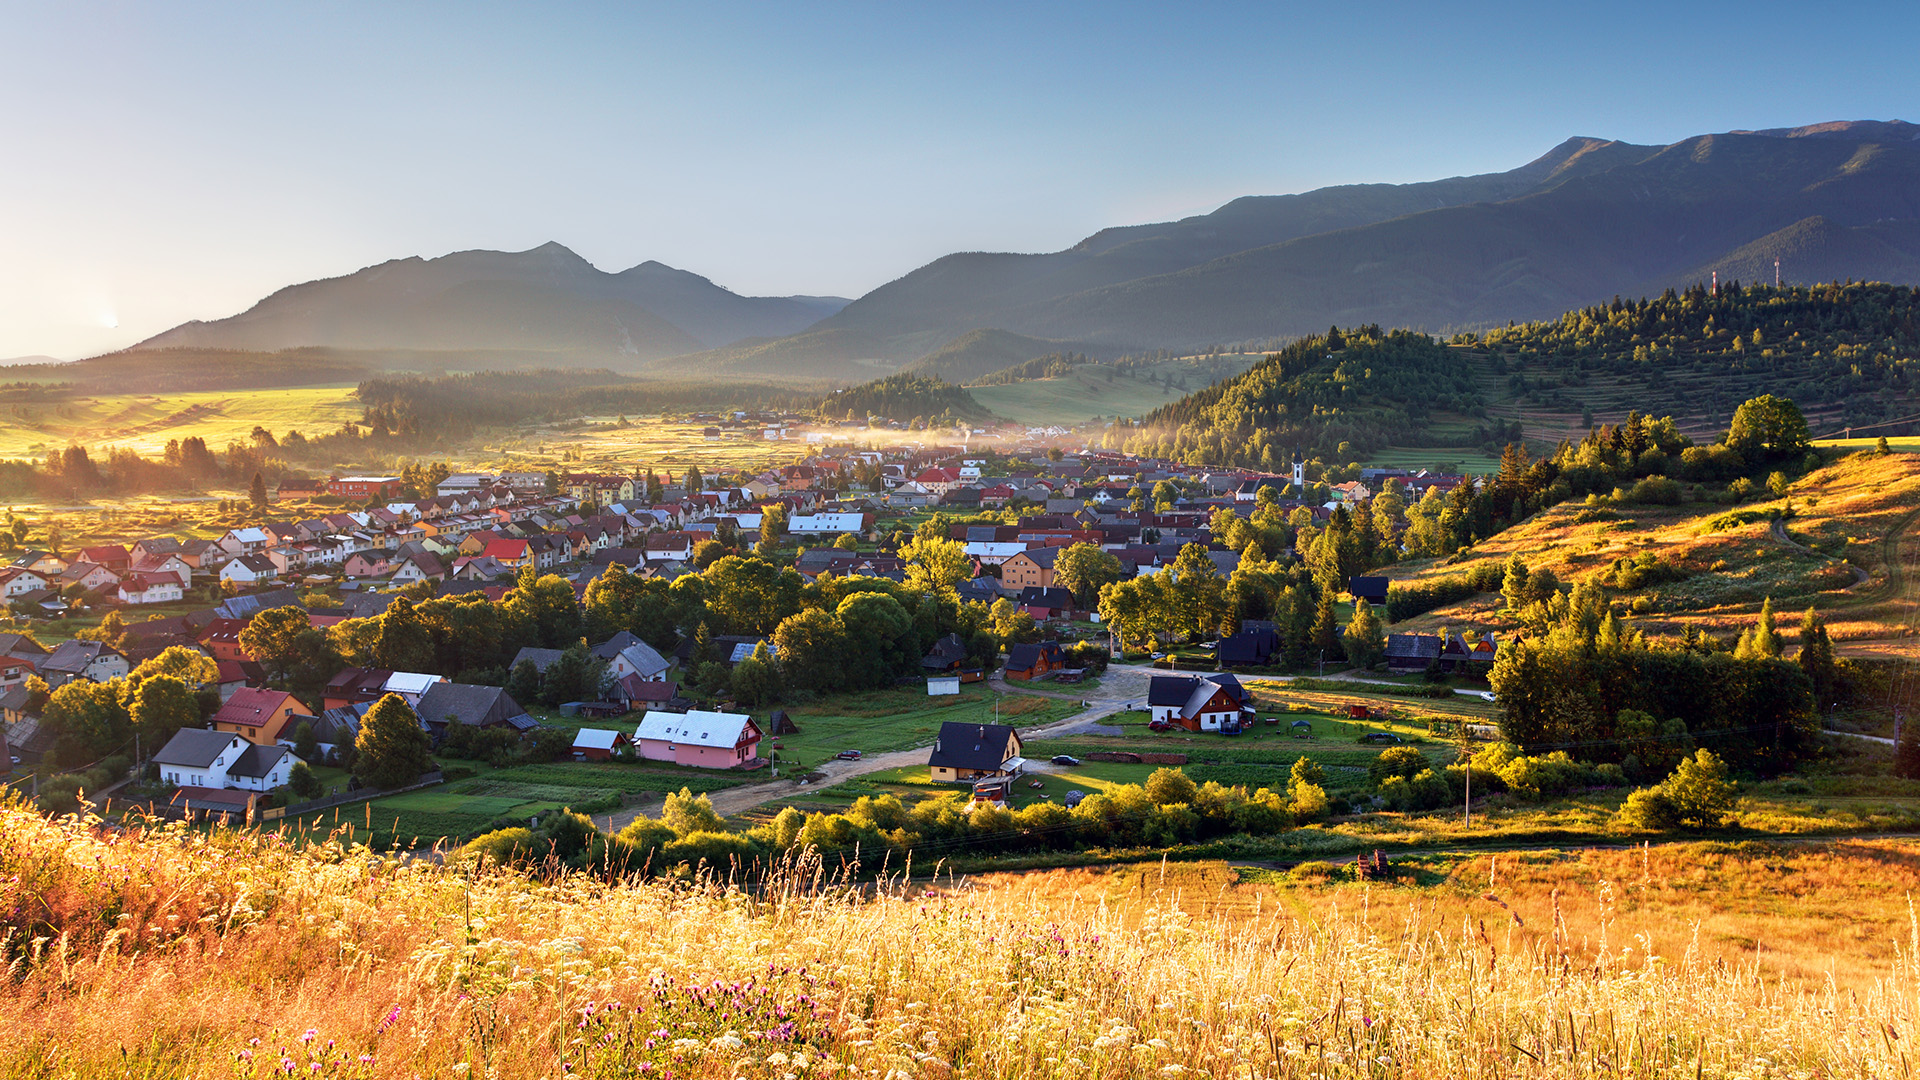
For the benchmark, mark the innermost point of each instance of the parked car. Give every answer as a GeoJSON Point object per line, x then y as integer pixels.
{"type": "Point", "coordinates": [1159, 656]}
{"type": "Point", "coordinates": [1158, 725]}
{"type": "Point", "coordinates": [848, 755]}
{"type": "Point", "coordinates": [1065, 759]}
{"type": "Point", "coordinates": [1488, 695]}
{"type": "Point", "coordinates": [1381, 737]}
{"type": "Point", "coordinates": [1073, 798]}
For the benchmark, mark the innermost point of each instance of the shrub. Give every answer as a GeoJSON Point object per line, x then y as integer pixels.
{"type": "Point", "coordinates": [1400, 761]}
{"type": "Point", "coordinates": [1423, 791]}
{"type": "Point", "coordinates": [1697, 795]}
{"type": "Point", "coordinates": [1655, 490]}
{"type": "Point", "coordinates": [1313, 872]}
{"type": "Point", "coordinates": [1651, 810]}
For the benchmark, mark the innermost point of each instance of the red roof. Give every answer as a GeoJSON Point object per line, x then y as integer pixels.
{"type": "Point", "coordinates": [251, 707]}
{"type": "Point", "coordinates": [505, 550]}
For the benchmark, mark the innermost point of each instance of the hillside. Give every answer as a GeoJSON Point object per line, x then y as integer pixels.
{"type": "Point", "coordinates": [1843, 353]}
{"type": "Point", "coordinates": [545, 300]}
{"type": "Point", "coordinates": [1848, 546]}
{"type": "Point", "coordinates": [910, 399]}
{"type": "Point", "coordinates": [982, 352]}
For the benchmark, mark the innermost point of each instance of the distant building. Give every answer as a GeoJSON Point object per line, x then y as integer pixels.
{"type": "Point", "coordinates": [365, 487]}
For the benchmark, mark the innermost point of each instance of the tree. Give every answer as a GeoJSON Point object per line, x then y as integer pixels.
{"type": "Point", "coordinates": [1084, 569]}
{"type": "Point", "coordinates": [1700, 790]}
{"type": "Point", "coordinates": [257, 492]}
{"type": "Point", "coordinates": [1768, 428]}
{"type": "Point", "coordinates": [1366, 640]}
{"type": "Point", "coordinates": [693, 481]}
{"type": "Point", "coordinates": [936, 564]}
{"type": "Point", "coordinates": [846, 542]}
{"type": "Point", "coordinates": [750, 595]}
{"type": "Point", "coordinates": [1305, 771]}
{"type": "Point", "coordinates": [302, 782]}
{"type": "Point", "coordinates": [306, 745]}
{"type": "Point", "coordinates": [272, 638]}
{"type": "Point", "coordinates": [686, 813]}
{"type": "Point", "coordinates": [190, 666]}
{"type": "Point", "coordinates": [1514, 587]}
{"type": "Point", "coordinates": [754, 679]}
{"type": "Point", "coordinates": [548, 603]}
{"type": "Point", "coordinates": [159, 706]}
{"type": "Point", "coordinates": [773, 525]}
{"type": "Point", "coordinates": [404, 642]}
{"type": "Point", "coordinates": [708, 552]}
{"type": "Point", "coordinates": [392, 748]}
{"type": "Point", "coordinates": [1816, 657]}
{"type": "Point", "coordinates": [523, 682]}
{"type": "Point", "coordinates": [812, 648]}
{"type": "Point", "coordinates": [575, 675]}
{"type": "Point", "coordinates": [1170, 786]}
{"type": "Point", "coordinates": [1762, 642]}
{"type": "Point", "coordinates": [88, 722]}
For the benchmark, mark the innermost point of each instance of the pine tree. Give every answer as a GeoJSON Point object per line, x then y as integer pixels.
{"type": "Point", "coordinates": [1366, 638]}
{"type": "Point", "coordinates": [257, 492]}
{"type": "Point", "coordinates": [1326, 630]}
{"type": "Point", "coordinates": [1816, 657]}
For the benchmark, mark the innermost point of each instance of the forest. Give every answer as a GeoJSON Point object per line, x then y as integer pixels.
{"type": "Point", "coordinates": [927, 401]}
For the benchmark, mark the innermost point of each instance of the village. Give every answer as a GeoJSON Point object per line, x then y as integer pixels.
{"type": "Point", "coordinates": [476, 537]}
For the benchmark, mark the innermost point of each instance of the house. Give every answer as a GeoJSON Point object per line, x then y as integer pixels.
{"type": "Point", "coordinates": [18, 581]}
{"type": "Point", "coordinates": [829, 524]}
{"type": "Point", "coordinates": [355, 686]}
{"type": "Point", "coordinates": [947, 654]}
{"type": "Point", "coordinates": [165, 564]}
{"type": "Point", "coordinates": [44, 563]}
{"type": "Point", "coordinates": [92, 660]}
{"type": "Point", "coordinates": [994, 553]}
{"type": "Point", "coordinates": [943, 685]}
{"type": "Point", "coordinates": [670, 547]}
{"type": "Point", "coordinates": [964, 752]}
{"type": "Point", "coordinates": [219, 760]}
{"type": "Point", "coordinates": [420, 566]}
{"type": "Point", "coordinates": [1248, 647]}
{"type": "Point", "coordinates": [260, 716]}
{"type": "Point", "coordinates": [1046, 603]}
{"type": "Point", "coordinates": [237, 542]}
{"type": "Point", "coordinates": [598, 744]}
{"type": "Point", "coordinates": [1371, 589]}
{"type": "Point", "coordinates": [250, 570]}
{"type": "Point", "coordinates": [637, 693]}
{"type": "Point", "coordinates": [1408, 653]}
{"type": "Point", "coordinates": [113, 556]}
{"type": "Point", "coordinates": [1198, 702]}
{"type": "Point", "coordinates": [448, 703]}
{"type": "Point", "coordinates": [708, 740]}
{"type": "Point", "coordinates": [627, 655]}
{"type": "Point", "coordinates": [365, 487]}
{"type": "Point", "coordinates": [339, 727]}
{"type": "Point", "coordinates": [150, 589]}
{"type": "Point", "coordinates": [409, 686]}
{"type": "Point", "coordinates": [366, 564]}
{"type": "Point", "coordinates": [1025, 662]}
{"type": "Point", "coordinates": [90, 576]}
{"type": "Point", "coordinates": [1032, 567]}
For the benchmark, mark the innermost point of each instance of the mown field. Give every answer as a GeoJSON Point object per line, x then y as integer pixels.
{"type": "Point", "coordinates": [145, 422]}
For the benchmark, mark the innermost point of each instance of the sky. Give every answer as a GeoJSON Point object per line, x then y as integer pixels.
{"type": "Point", "coordinates": [165, 162]}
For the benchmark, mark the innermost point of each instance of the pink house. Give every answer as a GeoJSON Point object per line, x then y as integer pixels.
{"type": "Point", "coordinates": [706, 740]}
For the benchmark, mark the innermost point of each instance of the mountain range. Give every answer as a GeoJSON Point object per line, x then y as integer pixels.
{"type": "Point", "coordinates": [1588, 220]}
{"type": "Point", "coordinates": [544, 301]}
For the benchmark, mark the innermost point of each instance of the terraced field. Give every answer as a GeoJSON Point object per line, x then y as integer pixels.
{"type": "Point", "coordinates": [145, 422]}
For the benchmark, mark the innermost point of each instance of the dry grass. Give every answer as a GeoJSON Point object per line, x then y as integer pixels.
{"type": "Point", "coordinates": [264, 959]}
{"type": "Point", "coordinates": [1861, 508]}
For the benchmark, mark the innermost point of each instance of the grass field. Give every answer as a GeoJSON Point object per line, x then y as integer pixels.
{"type": "Point", "coordinates": [1859, 511]}
{"type": "Point", "coordinates": [1907, 444]}
{"type": "Point", "coordinates": [238, 956]}
{"type": "Point", "coordinates": [144, 422]}
{"type": "Point", "coordinates": [883, 720]}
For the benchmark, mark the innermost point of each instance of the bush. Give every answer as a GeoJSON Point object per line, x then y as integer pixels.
{"type": "Point", "coordinates": [1697, 795]}
{"type": "Point", "coordinates": [1651, 810]}
{"type": "Point", "coordinates": [1423, 791]}
{"type": "Point", "coordinates": [1655, 490]}
{"type": "Point", "coordinates": [1399, 761]}
{"type": "Point", "coordinates": [1313, 872]}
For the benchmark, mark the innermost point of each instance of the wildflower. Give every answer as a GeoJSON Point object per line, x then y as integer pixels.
{"type": "Point", "coordinates": [393, 1017]}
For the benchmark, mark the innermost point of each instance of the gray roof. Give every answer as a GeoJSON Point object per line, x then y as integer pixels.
{"type": "Point", "coordinates": [981, 747]}
{"type": "Point", "coordinates": [256, 762]}
{"type": "Point", "coordinates": [74, 656]}
{"type": "Point", "coordinates": [475, 706]}
{"type": "Point", "coordinates": [246, 607]}
{"type": "Point", "coordinates": [540, 658]}
{"type": "Point", "coordinates": [195, 748]}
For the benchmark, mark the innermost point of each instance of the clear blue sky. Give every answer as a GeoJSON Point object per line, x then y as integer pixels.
{"type": "Point", "coordinates": [174, 161]}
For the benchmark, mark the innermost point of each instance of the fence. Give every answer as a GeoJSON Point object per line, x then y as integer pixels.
{"type": "Point", "coordinates": [426, 780]}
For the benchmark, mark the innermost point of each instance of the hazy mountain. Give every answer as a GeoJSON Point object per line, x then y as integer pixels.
{"type": "Point", "coordinates": [1586, 221]}
{"type": "Point", "coordinates": [547, 300]}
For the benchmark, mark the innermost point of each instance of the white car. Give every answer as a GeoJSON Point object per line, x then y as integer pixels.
{"type": "Point", "coordinates": [1487, 695]}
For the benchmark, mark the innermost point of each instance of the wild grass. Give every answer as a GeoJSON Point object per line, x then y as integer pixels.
{"type": "Point", "coordinates": [244, 955]}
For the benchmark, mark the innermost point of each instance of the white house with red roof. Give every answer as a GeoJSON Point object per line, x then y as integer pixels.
{"type": "Point", "coordinates": [138, 588]}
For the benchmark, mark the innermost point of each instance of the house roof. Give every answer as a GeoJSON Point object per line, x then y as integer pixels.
{"type": "Point", "coordinates": [1052, 597]}
{"type": "Point", "coordinates": [21, 645]}
{"type": "Point", "coordinates": [1413, 646]}
{"type": "Point", "coordinates": [1180, 690]}
{"type": "Point", "coordinates": [541, 659]}
{"type": "Point", "coordinates": [476, 706]}
{"type": "Point", "coordinates": [409, 682]}
{"type": "Point", "coordinates": [695, 728]}
{"type": "Point", "coordinates": [257, 762]}
{"type": "Point", "coordinates": [596, 738]}
{"type": "Point", "coordinates": [72, 657]}
{"type": "Point", "coordinates": [195, 748]}
{"type": "Point", "coordinates": [251, 706]}
{"type": "Point", "coordinates": [1022, 657]}
{"type": "Point", "coordinates": [982, 747]}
